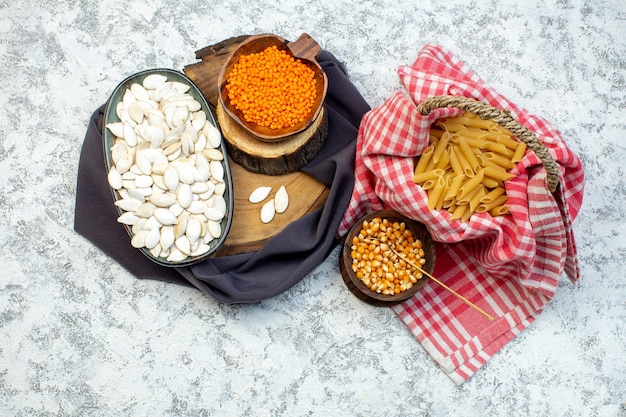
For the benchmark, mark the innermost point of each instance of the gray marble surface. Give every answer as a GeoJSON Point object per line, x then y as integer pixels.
{"type": "Point", "coordinates": [79, 336]}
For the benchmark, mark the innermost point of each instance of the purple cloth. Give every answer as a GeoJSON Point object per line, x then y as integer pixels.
{"type": "Point", "coordinates": [249, 277]}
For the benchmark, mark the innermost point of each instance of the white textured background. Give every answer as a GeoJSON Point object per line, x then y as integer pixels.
{"type": "Point", "coordinates": [79, 336]}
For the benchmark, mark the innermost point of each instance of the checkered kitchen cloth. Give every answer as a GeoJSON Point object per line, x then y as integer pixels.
{"type": "Point", "coordinates": [507, 265]}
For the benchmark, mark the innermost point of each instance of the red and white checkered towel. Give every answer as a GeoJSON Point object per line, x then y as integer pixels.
{"type": "Point", "coordinates": [507, 265]}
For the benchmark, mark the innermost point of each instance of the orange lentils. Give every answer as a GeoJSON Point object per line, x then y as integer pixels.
{"type": "Point", "coordinates": [271, 88]}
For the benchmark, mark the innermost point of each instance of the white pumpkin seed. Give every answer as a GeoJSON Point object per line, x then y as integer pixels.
{"type": "Point", "coordinates": [268, 211]}
{"type": "Point", "coordinates": [139, 239]}
{"type": "Point", "coordinates": [183, 245]}
{"type": "Point", "coordinates": [165, 217]}
{"type": "Point", "coordinates": [128, 218]}
{"type": "Point", "coordinates": [152, 238]}
{"type": "Point", "coordinates": [171, 178]}
{"type": "Point", "coordinates": [153, 81]}
{"type": "Point", "coordinates": [215, 229]}
{"type": "Point", "coordinates": [281, 200]}
{"type": "Point", "coordinates": [145, 210]}
{"type": "Point", "coordinates": [163, 200]}
{"type": "Point", "coordinates": [259, 194]}
{"type": "Point", "coordinates": [128, 204]}
{"type": "Point", "coordinates": [184, 195]}
{"type": "Point", "coordinates": [167, 237]}
{"type": "Point", "coordinates": [115, 179]}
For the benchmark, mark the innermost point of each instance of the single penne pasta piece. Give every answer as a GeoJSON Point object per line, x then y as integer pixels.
{"type": "Point", "coordinates": [469, 155]}
{"type": "Point", "coordinates": [490, 183]}
{"type": "Point", "coordinates": [507, 141]}
{"type": "Point", "coordinates": [427, 175]}
{"type": "Point", "coordinates": [455, 163]}
{"type": "Point", "coordinates": [423, 160]}
{"type": "Point", "coordinates": [450, 125]}
{"type": "Point", "coordinates": [427, 185]}
{"type": "Point", "coordinates": [444, 160]}
{"type": "Point", "coordinates": [469, 185]}
{"type": "Point", "coordinates": [468, 197]}
{"type": "Point", "coordinates": [446, 185]}
{"type": "Point", "coordinates": [494, 136]}
{"type": "Point", "coordinates": [431, 165]}
{"type": "Point", "coordinates": [437, 133]}
{"type": "Point", "coordinates": [498, 148]}
{"type": "Point", "coordinates": [435, 192]}
{"type": "Point", "coordinates": [465, 166]}
{"type": "Point", "coordinates": [519, 152]}
{"type": "Point", "coordinates": [466, 214]}
{"type": "Point", "coordinates": [474, 201]}
{"type": "Point", "coordinates": [497, 174]}
{"type": "Point", "coordinates": [449, 203]}
{"type": "Point", "coordinates": [440, 147]}
{"type": "Point", "coordinates": [477, 134]}
{"type": "Point", "coordinates": [458, 211]}
{"type": "Point", "coordinates": [489, 163]}
{"type": "Point", "coordinates": [477, 122]}
{"type": "Point", "coordinates": [492, 195]}
{"type": "Point", "coordinates": [496, 128]}
{"type": "Point", "coordinates": [485, 207]}
{"type": "Point", "coordinates": [455, 184]}
{"type": "Point", "coordinates": [499, 210]}
{"type": "Point", "coordinates": [475, 140]}
{"type": "Point", "coordinates": [501, 160]}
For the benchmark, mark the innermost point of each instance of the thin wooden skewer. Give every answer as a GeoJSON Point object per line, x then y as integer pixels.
{"type": "Point", "coordinates": [456, 294]}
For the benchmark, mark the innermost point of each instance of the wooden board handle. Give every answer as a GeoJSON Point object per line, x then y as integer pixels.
{"type": "Point", "coordinates": [305, 47]}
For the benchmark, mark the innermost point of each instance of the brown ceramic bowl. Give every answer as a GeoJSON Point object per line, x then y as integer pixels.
{"type": "Point", "coordinates": [356, 286]}
{"type": "Point", "coordinates": [305, 49]}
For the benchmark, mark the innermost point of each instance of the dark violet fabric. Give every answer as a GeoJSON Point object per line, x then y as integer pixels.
{"type": "Point", "coordinates": [285, 259]}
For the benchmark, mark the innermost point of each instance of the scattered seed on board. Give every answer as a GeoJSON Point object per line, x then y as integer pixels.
{"type": "Point", "coordinates": [259, 194]}
{"type": "Point", "coordinates": [278, 204]}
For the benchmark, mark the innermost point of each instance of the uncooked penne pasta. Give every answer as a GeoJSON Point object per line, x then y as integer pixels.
{"type": "Point", "coordinates": [440, 147]}
{"type": "Point", "coordinates": [458, 211]}
{"type": "Point", "coordinates": [507, 141]}
{"type": "Point", "coordinates": [519, 152]}
{"type": "Point", "coordinates": [435, 193]}
{"type": "Point", "coordinates": [497, 174]}
{"type": "Point", "coordinates": [466, 165]}
{"type": "Point", "coordinates": [469, 196]}
{"type": "Point", "coordinates": [498, 148]}
{"type": "Point", "coordinates": [450, 125]}
{"type": "Point", "coordinates": [466, 168]}
{"type": "Point", "coordinates": [490, 182]}
{"type": "Point", "coordinates": [469, 155]}
{"type": "Point", "coordinates": [441, 201]}
{"type": "Point", "coordinates": [424, 159]}
{"type": "Point", "coordinates": [436, 133]}
{"type": "Point", "coordinates": [501, 160]}
{"type": "Point", "coordinates": [444, 161]}
{"type": "Point", "coordinates": [492, 195]}
{"type": "Point", "coordinates": [477, 122]}
{"type": "Point", "coordinates": [499, 210]}
{"type": "Point", "coordinates": [455, 184]}
{"type": "Point", "coordinates": [427, 175]}
{"type": "Point", "coordinates": [469, 185]}
{"type": "Point", "coordinates": [474, 201]}
{"type": "Point", "coordinates": [455, 164]}
{"type": "Point", "coordinates": [483, 207]}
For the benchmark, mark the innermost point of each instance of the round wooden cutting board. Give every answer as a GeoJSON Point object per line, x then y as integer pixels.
{"type": "Point", "coordinates": [306, 194]}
